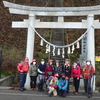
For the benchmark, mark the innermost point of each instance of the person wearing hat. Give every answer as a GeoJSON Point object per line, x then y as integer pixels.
{"type": "Point", "coordinates": [67, 71]}
{"type": "Point", "coordinates": [33, 74]}
{"type": "Point", "coordinates": [75, 74]}
{"type": "Point", "coordinates": [49, 68]}
{"type": "Point", "coordinates": [52, 86]}
{"type": "Point", "coordinates": [87, 73]}
{"type": "Point", "coordinates": [41, 72]}
{"type": "Point", "coordinates": [62, 85]}
{"type": "Point", "coordinates": [58, 68]}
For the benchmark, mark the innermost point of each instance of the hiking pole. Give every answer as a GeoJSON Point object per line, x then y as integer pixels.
{"type": "Point", "coordinates": [89, 87]}
{"type": "Point", "coordinates": [92, 84]}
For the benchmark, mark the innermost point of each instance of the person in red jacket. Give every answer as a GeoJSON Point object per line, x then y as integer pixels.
{"type": "Point", "coordinates": [49, 68]}
{"type": "Point", "coordinates": [23, 69]}
{"type": "Point", "coordinates": [75, 73]}
{"type": "Point", "coordinates": [87, 73]}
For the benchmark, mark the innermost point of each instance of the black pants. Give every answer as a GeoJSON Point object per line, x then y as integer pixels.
{"type": "Point", "coordinates": [87, 85]}
{"type": "Point", "coordinates": [40, 86]}
{"type": "Point", "coordinates": [33, 81]}
{"type": "Point", "coordinates": [76, 84]}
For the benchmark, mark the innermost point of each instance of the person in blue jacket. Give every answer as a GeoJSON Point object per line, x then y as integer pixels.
{"type": "Point", "coordinates": [62, 86]}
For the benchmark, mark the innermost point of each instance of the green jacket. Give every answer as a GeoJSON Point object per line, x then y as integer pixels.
{"type": "Point", "coordinates": [33, 70]}
{"type": "Point", "coordinates": [53, 83]}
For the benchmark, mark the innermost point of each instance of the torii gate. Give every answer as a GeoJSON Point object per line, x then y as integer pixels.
{"type": "Point", "coordinates": [60, 12]}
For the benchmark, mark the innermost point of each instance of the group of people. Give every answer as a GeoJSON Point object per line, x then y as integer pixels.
{"type": "Point", "coordinates": [56, 76]}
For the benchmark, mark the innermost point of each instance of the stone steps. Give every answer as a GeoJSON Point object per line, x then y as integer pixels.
{"type": "Point", "coordinates": [6, 88]}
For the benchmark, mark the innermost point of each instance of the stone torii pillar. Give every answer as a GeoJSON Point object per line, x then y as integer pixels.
{"type": "Point", "coordinates": [30, 45]}
{"type": "Point", "coordinates": [91, 42]}
{"type": "Point", "coordinates": [30, 37]}
{"type": "Point", "coordinates": [90, 39]}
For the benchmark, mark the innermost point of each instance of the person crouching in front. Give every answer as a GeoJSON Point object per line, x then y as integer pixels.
{"type": "Point", "coordinates": [62, 86]}
{"type": "Point", "coordinates": [53, 84]}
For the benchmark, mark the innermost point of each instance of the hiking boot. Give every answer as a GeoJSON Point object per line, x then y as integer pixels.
{"type": "Point", "coordinates": [67, 91]}
{"type": "Point", "coordinates": [31, 88]}
{"type": "Point", "coordinates": [85, 93]}
{"type": "Point", "coordinates": [42, 89]}
{"type": "Point", "coordinates": [89, 95]}
{"type": "Point", "coordinates": [24, 88]}
{"type": "Point", "coordinates": [76, 93]}
{"type": "Point", "coordinates": [21, 89]}
{"type": "Point", "coordinates": [49, 94]}
{"type": "Point", "coordinates": [34, 88]}
{"type": "Point", "coordinates": [39, 90]}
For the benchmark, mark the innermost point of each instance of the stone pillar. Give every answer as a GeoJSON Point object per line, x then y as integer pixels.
{"type": "Point", "coordinates": [30, 45]}
{"type": "Point", "coordinates": [91, 42]}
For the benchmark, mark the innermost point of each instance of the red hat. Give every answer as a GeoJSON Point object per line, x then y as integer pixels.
{"type": "Point", "coordinates": [50, 60]}
{"type": "Point", "coordinates": [55, 75]}
{"type": "Point", "coordinates": [33, 60]}
{"type": "Point", "coordinates": [63, 75]}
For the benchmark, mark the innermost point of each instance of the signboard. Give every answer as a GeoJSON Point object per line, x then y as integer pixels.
{"type": "Point", "coordinates": [97, 58]}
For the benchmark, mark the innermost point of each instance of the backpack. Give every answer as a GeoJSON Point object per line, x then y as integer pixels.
{"type": "Point", "coordinates": [48, 81]}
